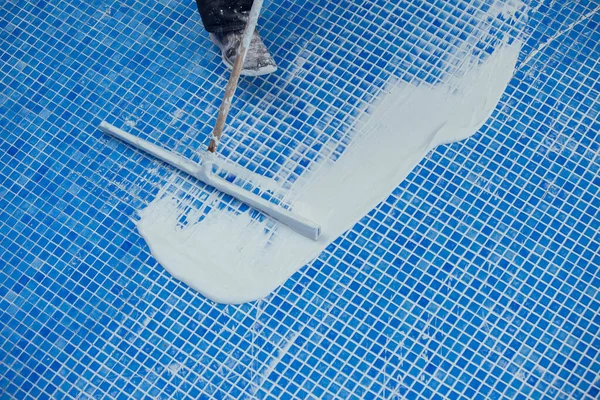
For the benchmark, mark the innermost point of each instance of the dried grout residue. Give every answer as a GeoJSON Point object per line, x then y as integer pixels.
{"type": "Point", "coordinates": [234, 256]}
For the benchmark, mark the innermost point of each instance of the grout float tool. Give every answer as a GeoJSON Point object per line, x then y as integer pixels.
{"type": "Point", "coordinates": [203, 172]}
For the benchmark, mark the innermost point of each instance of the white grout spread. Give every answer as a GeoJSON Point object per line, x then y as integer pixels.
{"type": "Point", "coordinates": [230, 257]}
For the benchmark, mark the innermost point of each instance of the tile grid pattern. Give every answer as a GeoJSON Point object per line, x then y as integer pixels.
{"type": "Point", "coordinates": [478, 275]}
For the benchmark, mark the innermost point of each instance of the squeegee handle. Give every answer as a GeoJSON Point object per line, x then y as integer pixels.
{"type": "Point", "coordinates": [235, 75]}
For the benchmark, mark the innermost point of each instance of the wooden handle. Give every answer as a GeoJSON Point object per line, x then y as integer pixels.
{"type": "Point", "coordinates": [235, 75]}
{"type": "Point", "coordinates": [227, 99]}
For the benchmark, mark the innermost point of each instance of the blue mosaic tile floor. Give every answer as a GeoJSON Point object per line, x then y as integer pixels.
{"type": "Point", "coordinates": [476, 278]}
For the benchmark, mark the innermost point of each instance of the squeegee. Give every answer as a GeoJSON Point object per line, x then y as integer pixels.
{"type": "Point", "coordinates": [203, 170]}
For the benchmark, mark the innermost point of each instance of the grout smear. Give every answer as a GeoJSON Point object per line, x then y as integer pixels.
{"type": "Point", "coordinates": [234, 257]}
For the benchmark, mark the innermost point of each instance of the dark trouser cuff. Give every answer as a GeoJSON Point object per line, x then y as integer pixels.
{"type": "Point", "coordinates": [221, 16]}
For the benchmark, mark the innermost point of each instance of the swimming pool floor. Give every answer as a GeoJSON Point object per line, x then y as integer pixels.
{"type": "Point", "coordinates": [478, 277]}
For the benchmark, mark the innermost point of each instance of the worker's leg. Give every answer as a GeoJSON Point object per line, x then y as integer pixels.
{"type": "Point", "coordinates": [225, 20]}
{"type": "Point", "coordinates": [221, 16]}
